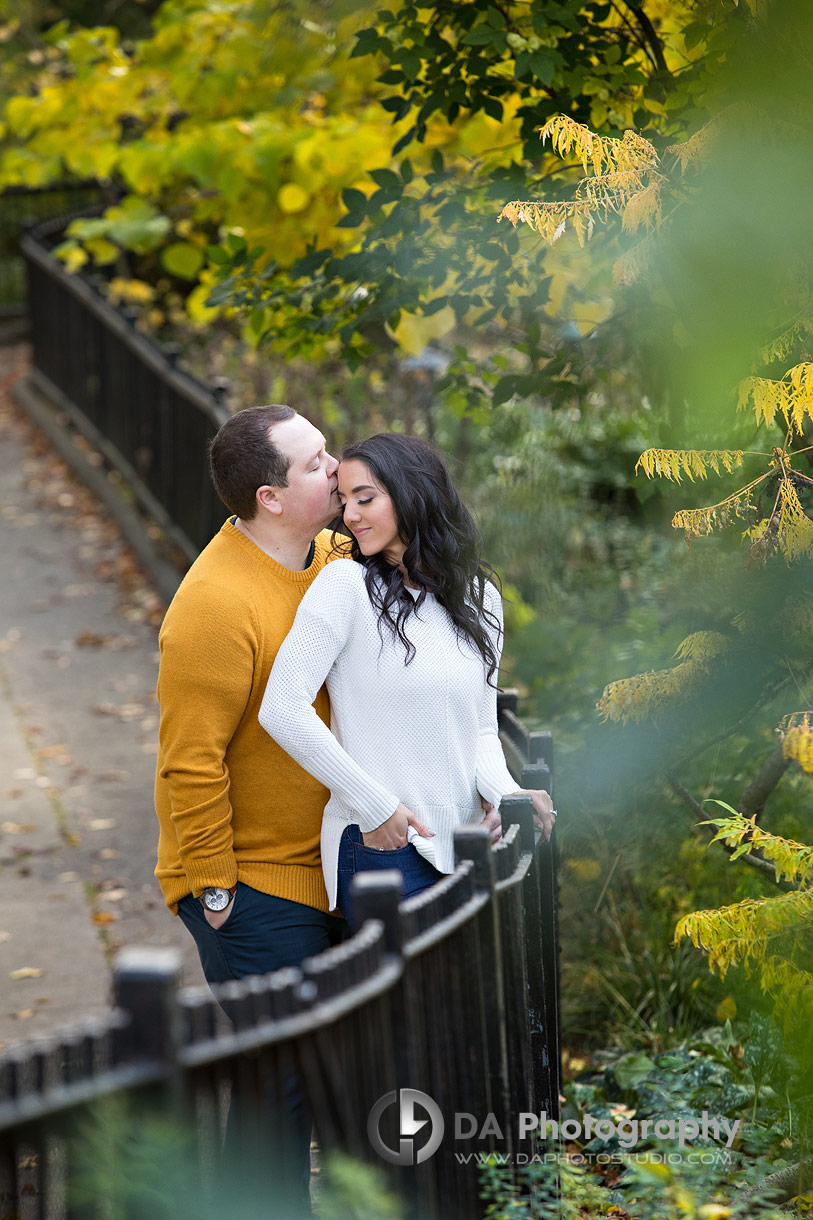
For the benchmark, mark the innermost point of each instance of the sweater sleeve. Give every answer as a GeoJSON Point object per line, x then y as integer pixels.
{"type": "Point", "coordinates": [204, 682]}
{"type": "Point", "coordinates": [494, 780]}
{"type": "Point", "coordinates": [321, 629]}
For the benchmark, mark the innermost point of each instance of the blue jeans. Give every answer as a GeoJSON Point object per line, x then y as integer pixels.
{"type": "Point", "coordinates": [355, 857]}
{"type": "Point", "coordinates": [264, 933]}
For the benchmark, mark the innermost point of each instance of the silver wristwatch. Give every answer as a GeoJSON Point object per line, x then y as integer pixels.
{"type": "Point", "coordinates": [216, 899]}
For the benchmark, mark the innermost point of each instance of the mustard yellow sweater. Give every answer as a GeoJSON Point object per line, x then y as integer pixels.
{"type": "Point", "coordinates": [230, 802]}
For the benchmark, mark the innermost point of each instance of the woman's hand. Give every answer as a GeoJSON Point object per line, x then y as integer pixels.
{"type": "Point", "coordinates": [393, 833]}
{"type": "Point", "coordinates": [544, 813]}
{"type": "Point", "coordinates": [491, 820]}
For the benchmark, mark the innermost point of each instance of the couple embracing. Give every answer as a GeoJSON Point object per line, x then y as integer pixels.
{"type": "Point", "coordinates": [326, 707]}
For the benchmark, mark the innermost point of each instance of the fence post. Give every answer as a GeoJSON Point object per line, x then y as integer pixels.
{"type": "Point", "coordinates": [145, 988]}
{"type": "Point", "coordinates": [474, 843]}
{"type": "Point", "coordinates": [522, 963]}
{"type": "Point", "coordinates": [538, 775]}
{"type": "Point", "coordinates": [376, 895]}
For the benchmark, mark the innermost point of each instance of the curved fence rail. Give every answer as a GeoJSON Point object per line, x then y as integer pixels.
{"type": "Point", "coordinates": [150, 420]}
{"type": "Point", "coordinates": [445, 997]}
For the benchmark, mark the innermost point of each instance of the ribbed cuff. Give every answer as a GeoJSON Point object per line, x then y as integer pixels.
{"type": "Point", "coordinates": [212, 870]}
{"type": "Point", "coordinates": [494, 782]}
{"type": "Point", "coordinates": [369, 800]}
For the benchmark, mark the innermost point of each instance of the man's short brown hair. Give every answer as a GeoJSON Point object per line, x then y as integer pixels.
{"type": "Point", "coordinates": [242, 457]}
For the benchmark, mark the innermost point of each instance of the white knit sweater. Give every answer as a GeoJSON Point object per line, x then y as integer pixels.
{"type": "Point", "coordinates": [423, 733]}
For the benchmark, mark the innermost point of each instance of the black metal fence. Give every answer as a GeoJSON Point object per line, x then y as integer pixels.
{"type": "Point", "coordinates": [452, 993]}
{"type": "Point", "coordinates": [149, 419]}
{"type": "Point", "coordinates": [19, 206]}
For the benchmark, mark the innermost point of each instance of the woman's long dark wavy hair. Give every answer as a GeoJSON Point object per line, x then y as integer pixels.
{"type": "Point", "coordinates": [442, 543]}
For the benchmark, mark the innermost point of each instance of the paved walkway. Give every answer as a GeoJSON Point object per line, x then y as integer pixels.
{"type": "Point", "coordinates": [78, 732]}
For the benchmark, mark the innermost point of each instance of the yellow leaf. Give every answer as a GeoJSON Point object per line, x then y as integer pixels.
{"type": "Point", "coordinates": [414, 332]}
{"type": "Point", "coordinates": [27, 972]}
{"type": "Point", "coordinates": [585, 870]}
{"type": "Point", "coordinates": [292, 198]}
{"type": "Point", "coordinates": [73, 257]}
{"type": "Point", "coordinates": [196, 305]}
{"type": "Point", "coordinates": [589, 314]}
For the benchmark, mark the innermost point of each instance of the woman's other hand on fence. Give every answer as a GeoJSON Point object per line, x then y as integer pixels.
{"type": "Point", "coordinates": [393, 833]}
{"type": "Point", "coordinates": [544, 813]}
{"type": "Point", "coordinates": [491, 820]}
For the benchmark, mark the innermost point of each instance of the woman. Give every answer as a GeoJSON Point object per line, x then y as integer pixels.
{"type": "Point", "coordinates": [407, 635]}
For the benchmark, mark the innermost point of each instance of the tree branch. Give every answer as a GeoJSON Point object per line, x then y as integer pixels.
{"type": "Point", "coordinates": [754, 859]}
{"type": "Point", "coordinates": [752, 801]}
{"type": "Point", "coordinates": [764, 697]}
{"type": "Point", "coordinates": [650, 35]}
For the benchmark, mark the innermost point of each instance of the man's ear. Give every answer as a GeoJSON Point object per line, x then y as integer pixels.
{"type": "Point", "coordinates": [268, 500]}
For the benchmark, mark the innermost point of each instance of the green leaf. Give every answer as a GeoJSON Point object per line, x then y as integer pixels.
{"type": "Point", "coordinates": [182, 259]}
{"type": "Point", "coordinates": [630, 1069]}
{"type": "Point", "coordinates": [543, 66]}
{"type": "Point", "coordinates": [217, 254]}
{"type": "Point", "coordinates": [353, 200]}
{"type": "Point", "coordinates": [411, 64]}
{"type": "Point", "coordinates": [712, 800]}
{"type": "Point", "coordinates": [386, 178]}
{"type": "Point", "coordinates": [366, 42]}
{"type": "Point", "coordinates": [479, 36]}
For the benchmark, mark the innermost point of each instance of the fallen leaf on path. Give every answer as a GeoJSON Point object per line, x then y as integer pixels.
{"type": "Point", "coordinates": [104, 917]}
{"type": "Point", "coordinates": [4, 936]}
{"type": "Point", "coordinates": [112, 895]}
{"type": "Point", "coordinates": [52, 751]}
{"type": "Point", "coordinates": [90, 639]}
{"type": "Point", "coordinates": [27, 972]}
{"type": "Point", "coordinates": [18, 828]}
{"type": "Point", "coordinates": [109, 853]}
{"type": "Point", "coordinates": [24, 1014]}
{"type": "Point", "coordinates": [101, 824]}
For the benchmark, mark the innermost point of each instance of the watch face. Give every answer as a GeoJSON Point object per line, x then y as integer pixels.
{"type": "Point", "coordinates": [215, 899]}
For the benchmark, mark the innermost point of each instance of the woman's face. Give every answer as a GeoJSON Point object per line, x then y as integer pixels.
{"type": "Point", "coordinates": [368, 512]}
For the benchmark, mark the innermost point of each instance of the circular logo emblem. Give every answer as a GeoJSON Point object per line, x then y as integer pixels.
{"type": "Point", "coordinates": [408, 1125]}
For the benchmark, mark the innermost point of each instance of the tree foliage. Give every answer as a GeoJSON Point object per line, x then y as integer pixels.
{"type": "Point", "coordinates": [228, 119]}
{"type": "Point", "coordinates": [427, 256]}
{"type": "Point", "coordinates": [767, 648]}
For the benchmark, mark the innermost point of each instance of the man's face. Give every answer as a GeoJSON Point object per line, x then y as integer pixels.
{"type": "Point", "coordinates": [310, 498]}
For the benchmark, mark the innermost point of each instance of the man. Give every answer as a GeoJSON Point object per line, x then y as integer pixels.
{"type": "Point", "coordinates": [238, 852]}
{"type": "Point", "coordinates": [239, 821]}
